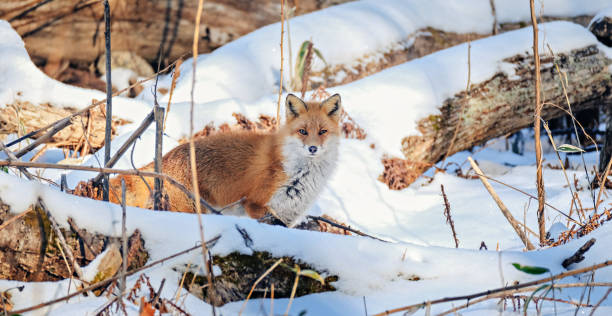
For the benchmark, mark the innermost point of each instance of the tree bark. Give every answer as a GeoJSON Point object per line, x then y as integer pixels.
{"type": "Point", "coordinates": [138, 26]}
{"type": "Point", "coordinates": [606, 151]}
{"type": "Point", "coordinates": [503, 105]}
{"type": "Point", "coordinates": [602, 29]}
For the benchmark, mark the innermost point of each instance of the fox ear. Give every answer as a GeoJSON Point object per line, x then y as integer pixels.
{"type": "Point", "coordinates": [294, 107]}
{"type": "Point", "coordinates": [332, 106]}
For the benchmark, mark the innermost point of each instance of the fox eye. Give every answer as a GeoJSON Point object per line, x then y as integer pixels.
{"type": "Point", "coordinates": [303, 131]}
{"type": "Point", "coordinates": [323, 131]}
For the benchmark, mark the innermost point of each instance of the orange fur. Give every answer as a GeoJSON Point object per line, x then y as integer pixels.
{"type": "Point", "coordinates": [236, 165]}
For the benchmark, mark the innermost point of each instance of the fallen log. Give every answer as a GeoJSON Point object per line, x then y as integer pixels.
{"type": "Point", "coordinates": [29, 252]}
{"type": "Point", "coordinates": [601, 27]}
{"type": "Point", "coordinates": [502, 105]}
{"type": "Point", "coordinates": [45, 24]}
{"type": "Point", "coordinates": [24, 117]}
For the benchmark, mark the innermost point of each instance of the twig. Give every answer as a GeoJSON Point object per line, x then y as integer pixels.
{"type": "Point", "coordinates": [325, 220]}
{"type": "Point", "coordinates": [175, 75]}
{"type": "Point", "coordinates": [494, 13]}
{"type": "Point", "coordinates": [531, 196]}
{"type": "Point", "coordinates": [132, 172]}
{"type": "Point", "coordinates": [538, 114]}
{"type": "Point", "coordinates": [43, 139]}
{"type": "Point", "coordinates": [192, 159]}
{"type": "Point", "coordinates": [13, 159]}
{"type": "Point", "coordinates": [602, 182]}
{"type": "Point", "coordinates": [109, 97]}
{"type": "Point", "coordinates": [603, 298]}
{"type": "Point", "coordinates": [158, 293]}
{"type": "Point", "coordinates": [158, 194]}
{"type": "Point", "coordinates": [124, 245]}
{"type": "Point", "coordinates": [500, 290]}
{"type": "Point", "coordinates": [94, 286]}
{"type": "Point", "coordinates": [552, 141]}
{"type": "Point", "coordinates": [280, 85]}
{"type": "Point", "coordinates": [14, 218]}
{"type": "Point", "coordinates": [574, 120]}
{"type": "Point", "coordinates": [447, 214]}
{"type": "Point", "coordinates": [578, 255]}
{"type": "Point", "coordinates": [135, 135]}
{"type": "Point", "coordinates": [270, 269]}
{"type": "Point", "coordinates": [272, 299]}
{"type": "Point", "coordinates": [513, 222]}
{"type": "Point", "coordinates": [295, 284]}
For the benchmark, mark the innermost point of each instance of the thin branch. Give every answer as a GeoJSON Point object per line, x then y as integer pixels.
{"type": "Point", "coordinates": [124, 244]}
{"type": "Point", "coordinates": [135, 135]}
{"type": "Point", "coordinates": [14, 218]}
{"type": "Point", "coordinates": [513, 222]}
{"type": "Point", "coordinates": [43, 139]}
{"type": "Point", "coordinates": [470, 297]}
{"type": "Point", "coordinates": [538, 144]}
{"type": "Point", "coordinates": [261, 277]}
{"type": "Point", "coordinates": [325, 220]}
{"type": "Point", "coordinates": [603, 298]}
{"type": "Point", "coordinates": [447, 214]}
{"type": "Point", "coordinates": [531, 196]}
{"type": "Point", "coordinates": [158, 195]}
{"type": "Point", "coordinates": [109, 97]}
{"type": "Point", "coordinates": [192, 158]}
{"type": "Point", "coordinates": [280, 85]}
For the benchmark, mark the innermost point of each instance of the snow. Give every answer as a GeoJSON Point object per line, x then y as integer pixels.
{"type": "Point", "coordinates": [243, 77]}
{"type": "Point", "coordinates": [21, 80]}
{"type": "Point", "coordinates": [388, 266]}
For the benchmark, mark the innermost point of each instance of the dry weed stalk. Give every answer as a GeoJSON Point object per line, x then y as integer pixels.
{"type": "Point", "coordinates": [307, 67]}
{"type": "Point", "coordinates": [177, 73]}
{"type": "Point", "coordinates": [261, 277]}
{"type": "Point", "coordinates": [513, 222]}
{"type": "Point", "coordinates": [280, 84]}
{"type": "Point", "coordinates": [192, 159]}
{"type": "Point", "coordinates": [538, 114]}
{"type": "Point", "coordinates": [447, 214]}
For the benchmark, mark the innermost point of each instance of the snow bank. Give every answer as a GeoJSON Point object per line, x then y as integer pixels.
{"type": "Point", "coordinates": [366, 267]}
{"type": "Point", "coordinates": [21, 80]}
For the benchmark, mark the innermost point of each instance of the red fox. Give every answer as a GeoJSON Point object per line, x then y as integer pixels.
{"type": "Point", "coordinates": [282, 171]}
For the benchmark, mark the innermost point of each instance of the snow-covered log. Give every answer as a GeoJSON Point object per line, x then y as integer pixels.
{"type": "Point", "coordinates": [503, 104]}
{"type": "Point", "coordinates": [138, 26]}
{"type": "Point", "coordinates": [29, 250]}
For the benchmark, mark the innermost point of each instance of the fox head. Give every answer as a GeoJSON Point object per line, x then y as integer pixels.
{"type": "Point", "coordinates": [313, 128]}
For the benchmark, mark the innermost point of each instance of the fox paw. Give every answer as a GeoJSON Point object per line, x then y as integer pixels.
{"type": "Point", "coordinates": [271, 220]}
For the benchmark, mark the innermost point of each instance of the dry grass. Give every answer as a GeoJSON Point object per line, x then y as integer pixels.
{"type": "Point", "coordinates": [400, 173]}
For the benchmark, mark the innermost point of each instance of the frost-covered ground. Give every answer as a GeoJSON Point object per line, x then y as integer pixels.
{"type": "Point", "coordinates": [387, 105]}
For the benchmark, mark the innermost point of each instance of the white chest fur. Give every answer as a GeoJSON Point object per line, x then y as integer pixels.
{"type": "Point", "coordinates": [306, 178]}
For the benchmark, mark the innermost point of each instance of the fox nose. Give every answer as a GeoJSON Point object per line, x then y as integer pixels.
{"type": "Point", "coordinates": [312, 149]}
